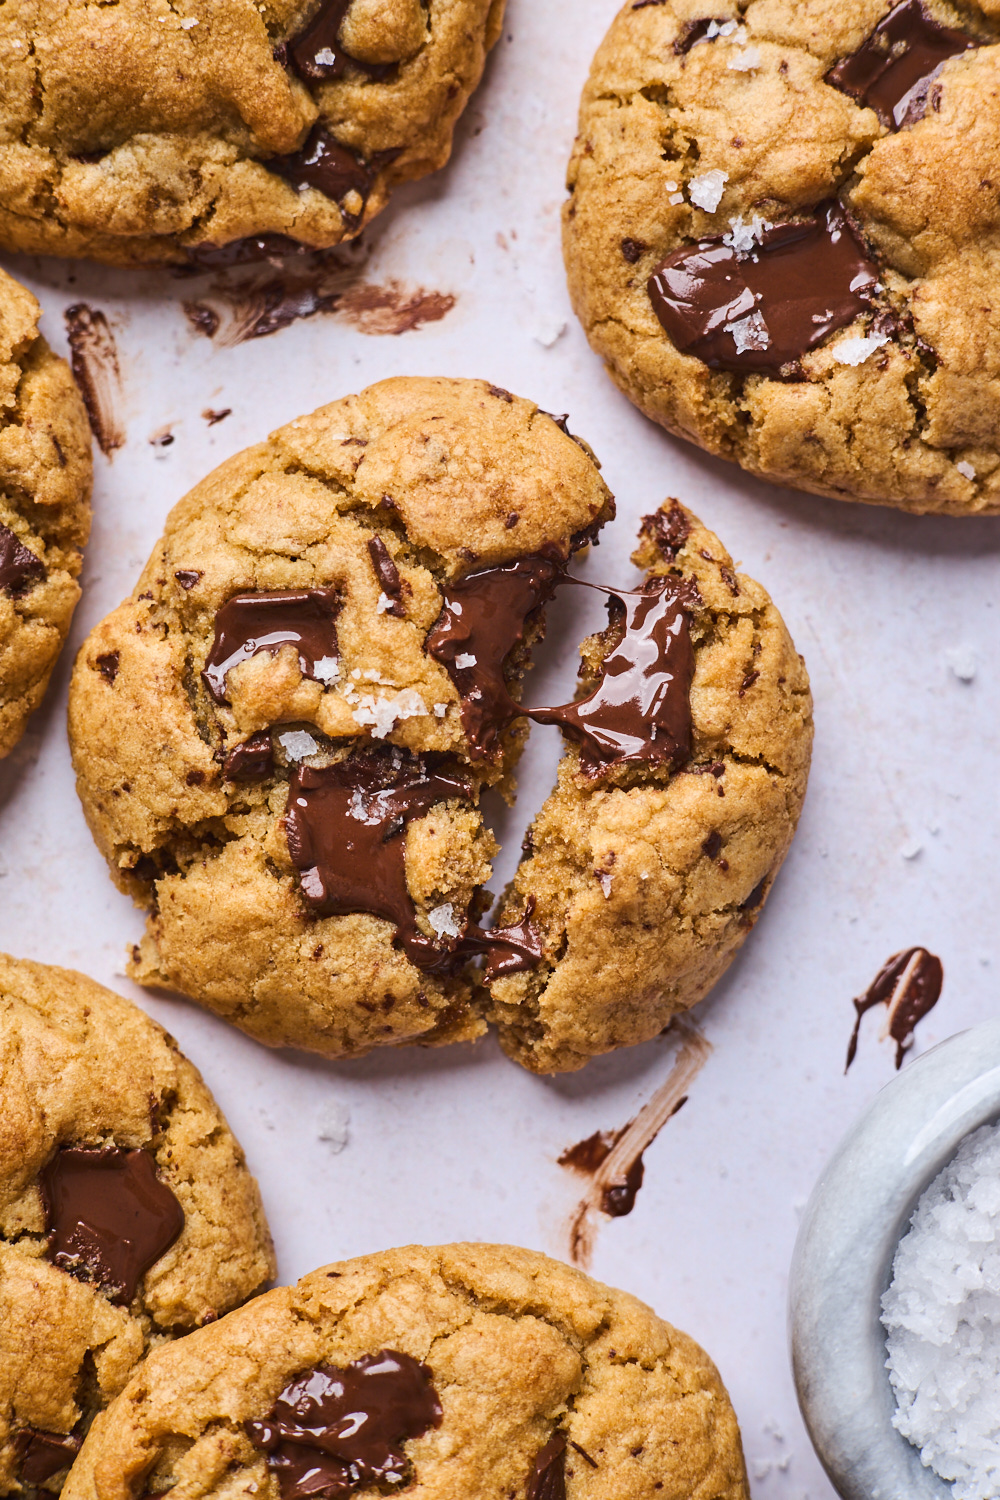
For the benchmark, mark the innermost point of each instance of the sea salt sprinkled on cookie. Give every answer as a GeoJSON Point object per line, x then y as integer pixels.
{"type": "Point", "coordinates": [749, 333]}
{"type": "Point", "coordinates": [745, 61]}
{"type": "Point", "coordinates": [382, 714]}
{"type": "Point", "coordinates": [706, 191]}
{"type": "Point", "coordinates": [966, 469]}
{"type": "Point", "coordinates": [743, 237]}
{"type": "Point", "coordinates": [297, 744]}
{"type": "Point", "coordinates": [442, 919]}
{"type": "Point", "coordinates": [855, 351]}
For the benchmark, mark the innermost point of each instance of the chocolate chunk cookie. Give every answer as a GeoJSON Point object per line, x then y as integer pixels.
{"type": "Point", "coordinates": [127, 1214]}
{"type": "Point", "coordinates": [144, 131]}
{"type": "Point", "coordinates": [45, 478]}
{"type": "Point", "coordinates": [460, 1370]}
{"type": "Point", "coordinates": [687, 753]}
{"type": "Point", "coordinates": [281, 737]}
{"type": "Point", "coordinates": [783, 233]}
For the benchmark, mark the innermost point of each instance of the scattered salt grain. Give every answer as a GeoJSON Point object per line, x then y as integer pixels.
{"type": "Point", "coordinates": [962, 663]}
{"type": "Point", "coordinates": [966, 469]}
{"type": "Point", "coordinates": [326, 57]}
{"type": "Point", "coordinates": [743, 237]}
{"type": "Point", "coordinates": [440, 709]}
{"type": "Point", "coordinates": [384, 603]}
{"type": "Point", "coordinates": [942, 1316]}
{"type": "Point", "coordinates": [706, 191]}
{"type": "Point", "coordinates": [749, 333]}
{"type": "Point", "coordinates": [334, 1125]}
{"type": "Point", "coordinates": [720, 28]}
{"type": "Point", "coordinates": [188, 22]}
{"type": "Point", "coordinates": [442, 919]}
{"type": "Point", "coordinates": [326, 669]}
{"type": "Point", "coordinates": [297, 744]}
{"type": "Point", "coordinates": [676, 198]}
{"type": "Point", "coordinates": [912, 848]}
{"type": "Point", "coordinates": [745, 61]}
{"type": "Point", "coordinates": [465, 660]}
{"type": "Point", "coordinates": [382, 714]}
{"type": "Point", "coordinates": [855, 351]}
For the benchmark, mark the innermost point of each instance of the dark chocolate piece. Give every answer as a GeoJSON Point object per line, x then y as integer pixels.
{"type": "Point", "coordinates": [893, 69]}
{"type": "Point", "coordinates": [108, 1216]}
{"type": "Point", "coordinates": [326, 165]}
{"type": "Point", "coordinates": [619, 1199]}
{"type": "Point", "coordinates": [253, 760]}
{"type": "Point", "coordinates": [43, 1454]}
{"type": "Point", "coordinates": [908, 996]}
{"type": "Point", "coordinates": [249, 623]}
{"type": "Point", "coordinates": [667, 530]}
{"type": "Point", "coordinates": [483, 619]}
{"type": "Point", "coordinates": [188, 577]}
{"type": "Point", "coordinates": [19, 567]}
{"type": "Point", "coordinates": [694, 32]}
{"type": "Point", "coordinates": [107, 665]}
{"type": "Point", "coordinates": [388, 575]}
{"type": "Point", "coordinates": [334, 1430]}
{"type": "Point", "coordinates": [345, 825]}
{"type": "Point", "coordinates": [547, 1480]}
{"type": "Point", "coordinates": [640, 710]}
{"type": "Point", "coordinates": [760, 312]}
{"type": "Point", "coordinates": [316, 52]}
{"type": "Point", "coordinates": [508, 950]}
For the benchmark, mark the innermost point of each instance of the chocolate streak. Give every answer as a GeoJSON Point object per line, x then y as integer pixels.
{"type": "Point", "coordinates": [893, 69]}
{"type": "Point", "coordinates": [44, 1454]}
{"type": "Point", "coordinates": [334, 1430]}
{"type": "Point", "coordinates": [804, 281]}
{"type": "Point", "coordinates": [249, 623]}
{"type": "Point", "coordinates": [548, 1472]}
{"type": "Point", "coordinates": [909, 984]}
{"type": "Point", "coordinates": [108, 1216]}
{"type": "Point", "coordinates": [19, 567]}
{"type": "Point", "coordinates": [388, 576]}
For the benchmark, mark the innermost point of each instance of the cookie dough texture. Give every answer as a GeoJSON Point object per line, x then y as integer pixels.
{"type": "Point", "coordinates": [45, 481]}
{"type": "Point", "coordinates": [138, 131]}
{"type": "Point", "coordinates": [434, 468]}
{"type": "Point", "coordinates": [916, 425]}
{"type": "Point", "coordinates": [645, 883]}
{"type": "Point", "coordinates": [519, 1347]}
{"type": "Point", "coordinates": [80, 1066]}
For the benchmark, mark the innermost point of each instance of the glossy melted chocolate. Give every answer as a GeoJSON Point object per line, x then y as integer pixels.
{"type": "Point", "coordinates": [345, 825]}
{"type": "Point", "coordinates": [317, 52]}
{"type": "Point", "coordinates": [19, 567]}
{"type": "Point", "coordinates": [640, 711]}
{"type": "Point", "coordinates": [108, 1216]}
{"type": "Point", "coordinates": [508, 950]}
{"type": "Point", "coordinates": [548, 1472]}
{"type": "Point", "coordinates": [907, 1004]}
{"type": "Point", "coordinates": [252, 760]}
{"type": "Point", "coordinates": [249, 623]}
{"type": "Point", "coordinates": [804, 281]}
{"type": "Point", "coordinates": [43, 1454]}
{"type": "Point", "coordinates": [335, 1430]}
{"type": "Point", "coordinates": [893, 69]}
{"type": "Point", "coordinates": [326, 165]}
{"type": "Point", "coordinates": [482, 620]}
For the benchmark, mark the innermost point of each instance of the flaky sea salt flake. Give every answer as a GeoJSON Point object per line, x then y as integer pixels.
{"type": "Point", "coordinates": [442, 919]}
{"type": "Point", "coordinates": [749, 333]}
{"type": "Point", "coordinates": [706, 191]}
{"type": "Point", "coordinates": [745, 61]}
{"type": "Point", "coordinates": [297, 744]}
{"type": "Point", "coordinates": [966, 469]}
{"type": "Point", "coordinates": [855, 351]}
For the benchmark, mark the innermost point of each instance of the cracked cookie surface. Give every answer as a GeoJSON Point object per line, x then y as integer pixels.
{"type": "Point", "coordinates": [537, 1371]}
{"type": "Point", "coordinates": [703, 121]}
{"type": "Point", "coordinates": [219, 797]}
{"type": "Point", "coordinates": [142, 131]}
{"type": "Point", "coordinates": [644, 882]}
{"type": "Point", "coordinates": [45, 481]}
{"type": "Point", "coordinates": [90, 1083]}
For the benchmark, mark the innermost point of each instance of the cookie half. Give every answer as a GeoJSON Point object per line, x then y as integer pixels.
{"type": "Point", "coordinates": [685, 768]}
{"type": "Point", "coordinates": [782, 239]}
{"type": "Point", "coordinates": [281, 737]}
{"type": "Point", "coordinates": [127, 1214]}
{"type": "Point", "coordinates": [467, 1369]}
{"type": "Point", "coordinates": [143, 132]}
{"type": "Point", "coordinates": [45, 481]}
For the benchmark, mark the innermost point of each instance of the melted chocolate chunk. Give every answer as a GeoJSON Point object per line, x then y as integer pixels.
{"type": "Point", "coordinates": [694, 32]}
{"type": "Point", "coordinates": [19, 567]}
{"type": "Point", "coordinates": [249, 623]}
{"type": "Point", "coordinates": [317, 53]}
{"type": "Point", "coordinates": [326, 165]}
{"type": "Point", "coordinates": [253, 760]}
{"type": "Point", "coordinates": [759, 313]}
{"type": "Point", "coordinates": [909, 996]}
{"type": "Point", "coordinates": [667, 530]}
{"type": "Point", "coordinates": [107, 665]}
{"type": "Point", "coordinates": [508, 950]}
{"type": "Point", "coordinates": [108, 1216]}
{"type": "Point", "coordinates": [483, 618]}
{"type": "Point", "coordinates": [43, 1454]}
{"type": "Point", "coordinates": [640, 711]}
{"type": "Point", "coordinates": [188, 577]}
{"type": "Point", "coordinates": [345, 825]}
{"type": "Point", "coordinates": [335, 1430]}
{"type": "Point", "coordinates": [619, 1199]}
{"type": "Point", "coordinates": [388, 575]}
{"type": "Point", "coordinates": [893, 69]}
{"type": "Point", "coordinates": [548, 1473]}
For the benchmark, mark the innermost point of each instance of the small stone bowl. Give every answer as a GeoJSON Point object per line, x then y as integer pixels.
{"type": "Point", "coordinates": [857, 1214]}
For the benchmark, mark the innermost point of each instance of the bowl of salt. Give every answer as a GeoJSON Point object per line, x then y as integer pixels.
{"type": "Point", "coordinates": [894, 1296]}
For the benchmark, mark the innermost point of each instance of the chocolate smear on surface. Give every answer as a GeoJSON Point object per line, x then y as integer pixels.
{"type": "Point", "coordinates": [253, 760]}
{"type": "Point", "coordinates": [392, 308]}
{"type": "Point", "coordinates": [249, 623]}
{"type": "Point", "coordinates": [43, 1454]}
{"type": "Point", "coordinates": [894, 68]}
{"type": "Point", "coordinates": [640, 710]}
{"type": "Point", "coordinates": [345, 825]}
{"type": "Point", "coordinates": [94, 358]}
{"type": "Point", "coordinates": [388, 576]}
{"type": "Point", "coordinates": [108, 1216]}
{"type": "Point", "coordinates": [19, 567]}
{"type": "Point", "coordinates": [758, 313]}
{"type": "Point", "coordinates": [548, 1472]}
{"type": "Point", "coordinates": [334, 1430]}
{"type": "Point", "coordinates": [482, 620]}
{"type": "Point", "coordinates": [908, 985]}
{"type": "Point", "coordinates": [613, 1159]}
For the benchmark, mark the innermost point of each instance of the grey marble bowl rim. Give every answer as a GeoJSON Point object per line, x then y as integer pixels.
{"type": "Point", "coordinates": [842, 1263]}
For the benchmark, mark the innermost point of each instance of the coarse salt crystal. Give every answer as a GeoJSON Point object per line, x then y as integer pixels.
{"type": "Point", "coordinates": [855, 351]}
{"type": "Point", "coordinates": [749, 333]}
{"type": "Point", "coordinates": [745, 61]}
{"type": "Point", "coordinates": [188, 22]}
{"type": "Point", "coordinates": [966, 469]}
{"type": "Point", "coordinates": [384, 603]}
{"type": "Point", "coordinates": [297, 744]}
{"type": "Point", "coordinates": [442, 919]}
{"type": "Point", "coordinates": [382, 714]}
{"type": "Point", "coordinates": [326, 57]}
{"type": "Point", "coordinates": [676, 198]}
{"type": "Point", "coordinates": [326, 669]}
{"type": "Point", "coordinates": [440, 709]}
{"type": "Point", "coordinates": [706, 191]}
{"type": "Point", "coordinates": [743, 237]}
{"type": "Point", "coordinates": [962, 662]}
{"type": "Point", "coordinates": [465, 660]}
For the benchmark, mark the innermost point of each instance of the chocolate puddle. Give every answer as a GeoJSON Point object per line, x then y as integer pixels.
{"type": "Point", "coordinates": [909, 986]}
{"type": "Point", "coordinates": [759, 313]}
{"type": "Point", "coordinates": [265, 621]}
{"type": "Point", "coordinates": [614, 1159]}
{"type": "Point", "coordinates": [43, 1454]}
{"type": "Point", "coordinates": [108, 1216]}
{"type": "Point", "coordinates": [19, 566]}
{"type": "Point", "coordinates": [894, 68]}
{"type": "Point", "coordinates": [94, 359]}
{"type": "Point", "coordinates": [334, 1430]}
{"type": "Point", "coordinates": [548, 1472]}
